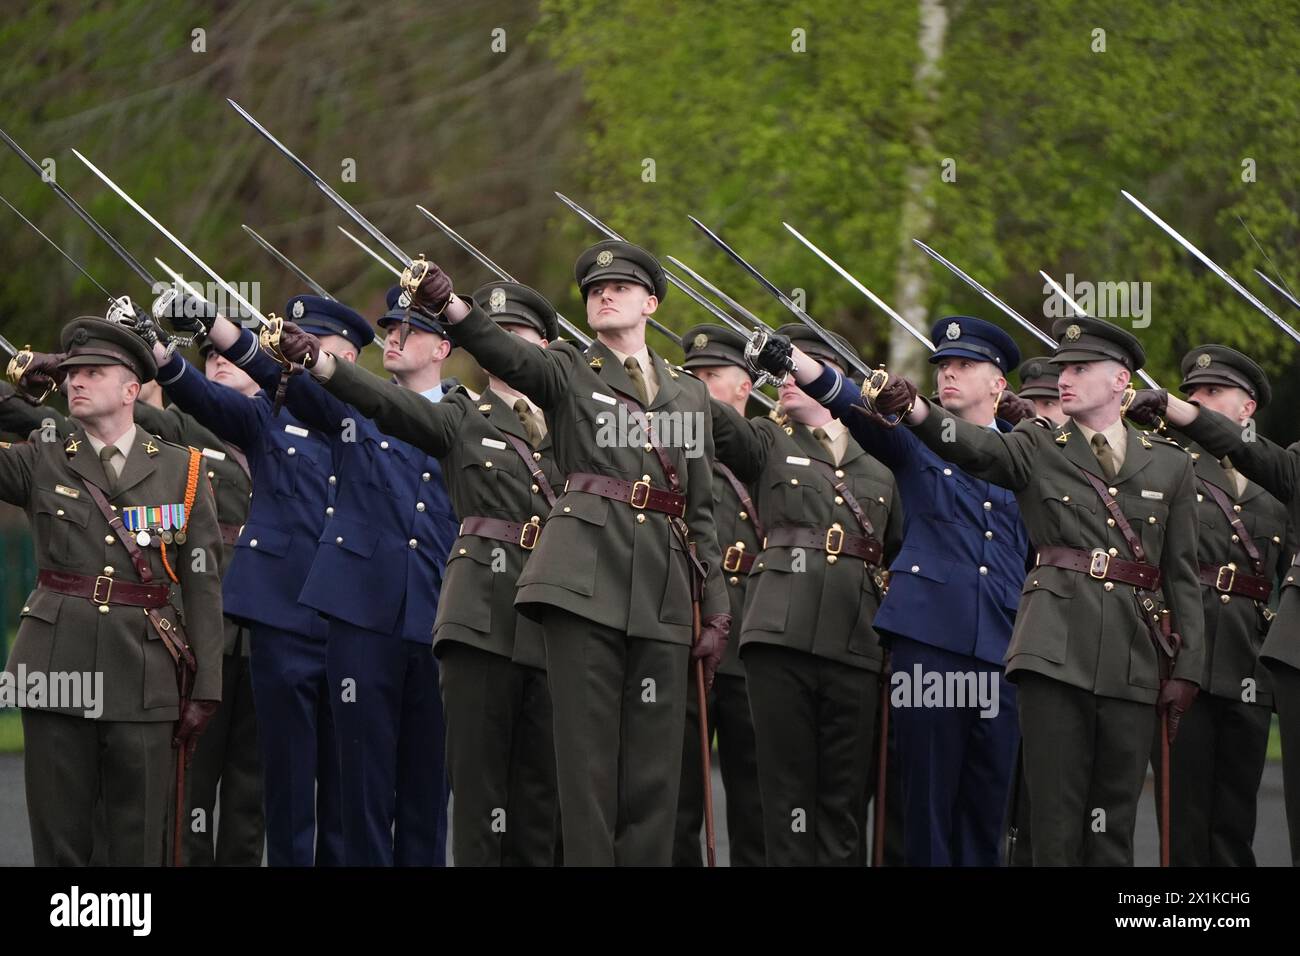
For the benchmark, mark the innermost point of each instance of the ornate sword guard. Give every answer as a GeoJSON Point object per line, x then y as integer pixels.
{"type": "Point", "coordinates": [414, 274]}
{"type": "Point", "coordinates": [18, 367]}
{"type": "Point", "coordinates": [269, 339]}
{"type": "Point", "coordinates": [757, 342]}
{"type": "Point", "coordinates": [122, 311]}
{"type": "Point", "coordinates": [871, 389]}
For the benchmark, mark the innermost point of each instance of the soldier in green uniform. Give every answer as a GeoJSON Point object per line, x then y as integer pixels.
{"type": "Point", "coordinates": [226, 759]}
{"type": "Point", "coordinates": [1111, 512]}
{"type": "Point", "coordinates": [1277, 471]}
{"type": "Point", "coordinates": [611, 579]}
{"type": "Point", "coordinates": [813, 662]}
{"type": "Point", "coordinates": [716, 356]}
{"type": "Point", "coordinates": [104, 606]}
{"type": "Point", "coordinates": [1038, 377]}
{"type": "Point", "coordinates": [1218, 762]}
{"type": "Point", "coordinates": [496, 458]}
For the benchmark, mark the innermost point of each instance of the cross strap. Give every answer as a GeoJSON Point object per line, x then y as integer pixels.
{"type": "Point", "coordinates": [138, 560]}
{"type": "Point", "coordinates": [842, 489]}
{"type": "Point", "coordinates": [1243, 537]}
{"type": "Point", "coordinates": [525, 453]}
{"type": "Point", "coordinates": [743, 494]}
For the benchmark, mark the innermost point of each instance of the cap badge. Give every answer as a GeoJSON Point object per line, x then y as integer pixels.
{"type": "Point", "coordinates": [299, 310]}
{"type": "Point", "coordinates": [1203, 360]}
{"type": "Point", "coordinates": [497, 300]}
{"type": "Point", "coordinates": [1073, 332]}
{"type": "Point", "coordinates": [954, 331]}
{"type": "Point", "coordinates": [700, 341]}
{"type": "Point", "coordinates": [80, 337]}
{"type": "Point", "coordinates": [604, 257]}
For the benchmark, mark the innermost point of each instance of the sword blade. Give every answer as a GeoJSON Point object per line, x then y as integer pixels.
{"type": "Point", "coordinates": [851, 280]}
{"type": "Point", "coordinates": [1006, 310]}
{"type": "Point", "coordinates": [718, 293]}
{"type": "Point", "coordinates": [324, 187]}
{"type": "Point", "coordinates": [1211, 265]}
{"type": "Point", "coordinates": [852, 360]}
{"type": "Point", "coordinates": [131, 262]}
{"type": "Point", "coordinates": [58, 248]}
{"type": "Point", "coordinates": [226, 286]}
{"type": "Point", "coordinates": [180, 281]}
{"type": "Point", "coordinates": [1056, 287]}
{"type": "Point", "coordinates": [285, 261]}
{"type": "Point", "coordinates": [483, 259]}
{"type": "Point", "coordinates": [372, 254]}
{"type": "Point", "coordinates": [1285, 293]}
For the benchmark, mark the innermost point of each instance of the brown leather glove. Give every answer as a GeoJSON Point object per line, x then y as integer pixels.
{"type": "Point", "coordinates": [1148, 407]}
{"type": "Point", "coordinates": [712, 644]}
{"type": "Point", "coordinates": [1176, 696]}
{"type": "Point", "coordinates": [194, 719]}
{"type": "Point", "coordinates": [434, 291]}
{"type": "Point", "coordinates": [299, 347]}
{"type": "Point", "coordinates": [1013, 409]}
{"type": "Point", "coordinates": [41, 376]}
{"type": "Point", "coordinates": [896, 398]}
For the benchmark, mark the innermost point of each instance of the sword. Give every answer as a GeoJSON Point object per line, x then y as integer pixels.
{"type": "Point", "coordinates": [1212, 266]}
{"type": "Point", "coordinates": [844, 274]}
{"type": "Point", "coordinates": [730, 302]}
{"type": "Point", "coordinates": [852, 360]}
{"type": "Point", "coordinates": [1056, 286]}
{"type": "Point", "coordinates": [80, 268]}
{"type": "Point", "coordinates": [8, 346]}
{"type": "Point", "coordinates": [1285, 293]}
{"type": "Point", "coordinates": [284, 260]}
{"type": "Point", "coordinates": [86, 217]}
{"type": "Point", "coordinates": [179, 281]}
{"type": "Point", "coordinates": [212, 274]}
{"type": "Point", "coordinates": [371, 252]}
{"type": "Point", "coordinates": [483, 260]}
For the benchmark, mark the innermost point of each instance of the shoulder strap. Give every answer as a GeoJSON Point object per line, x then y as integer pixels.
{"type": "Point", "coordinates": [842, 490]}
{"type": "Point", "coordinates": [743, 494]}
{"type": "Point", "coordinates": [1243, 536]}
{"type": "Point", "coordinates": [639, 416]}
{"type": "Point", "coordinates": [525, 453]}
{"type": "Point", "coordinates": [1121, 522]}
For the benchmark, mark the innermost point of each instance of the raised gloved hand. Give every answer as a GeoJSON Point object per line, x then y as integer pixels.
{"type": "Point", "coordinates": [770, 352]}
{"type": "Point", "coordinates": [149, 331]}
{"type": "Point", "coordinates": [298, 346]}
{"type": "Point", "coordinates": [1176, 696]}
{"type": "Point", "coordinates": [712, 644]}
{"type": "Point", "coordinates": [1148, 407]}
{"type": "Point", "coordinates": [186, 314]}
{"type": "Point", "coordinates": [1014, 409]}
{"type": "Point", "coordinates": [38, 376]}
{"type": "Point", "coordinates": [433, 292]}
{"type": "Point", "coordinates": [194, 719]}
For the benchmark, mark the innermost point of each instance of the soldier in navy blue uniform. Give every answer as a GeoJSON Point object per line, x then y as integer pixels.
{"type": "Point", "coordinates": [290, 467]}
{"type": "Point", "coordinates": [375, 577]}
{"type": "Point", "coordinates": [953, 593]}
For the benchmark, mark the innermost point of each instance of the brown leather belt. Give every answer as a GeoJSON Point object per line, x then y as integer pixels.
{"type": "Point", "coordinates": [640, 495]}
{"type": "Point", "coordinates": [737, 559]}
{"type": "Point", "coordinates": [230, 533]}
{"type": "Point", "coordinates": [524, 534]}
{"type": "Point", "coordinates": [103, 589]}
{"type": "Point", "coordinates": [1102, 565]}
{"type": "Point", "coordinates": [1228, 580]}
{"type": "Point", "coordinates": [833, 541]}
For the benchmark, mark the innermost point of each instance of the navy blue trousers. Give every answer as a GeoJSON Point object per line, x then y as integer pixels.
{"type": "Point", "coordinates": [388, 717]}
{"type": "Point", "coordinates": [955, 765]}
{"type": "Point", "coordinates": [300, 770]}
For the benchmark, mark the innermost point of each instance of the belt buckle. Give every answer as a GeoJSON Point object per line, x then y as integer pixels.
{"type": "Point", "coordinates": [645, 500]}
{"type": "Point", "coordinates": [830, 536]}
{"type": "Point", "coordinates": [1232, 579]}
{"type": "Point", "coordinates": [1100, 565]}
{"type": "Point", "coordinates": [737, 551]}
{"type": "Point", "coordinates": [108, 589]}
{"type": "Point", "coordinates": [527, 541]}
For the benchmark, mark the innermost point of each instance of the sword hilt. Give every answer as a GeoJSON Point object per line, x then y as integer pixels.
{"type": "Point", "coordinates": [871, 389]}
{"type": "Point", "coordinates": [414, 274]}
{"type": "Point", "coordinates": [17, 368]}
{"type": "Point", "coordinates": [269, 339]}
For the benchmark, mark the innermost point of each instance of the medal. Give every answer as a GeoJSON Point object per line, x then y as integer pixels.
{"type": "Point", "coordinates": [142, 539]}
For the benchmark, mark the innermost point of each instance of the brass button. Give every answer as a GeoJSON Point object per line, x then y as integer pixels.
{"type": "Point", "coordinates": [1113, 491]}
{"type": "Point", "coordinates": [108, 569]}
{"type": "Point", "coordinates": [839, 473]}
{"type": "Point", "coordinates": [567, 509]}
{"type": "Point", "coordinates": [831, 559]}
{"type": "Point", "coordinates": [1113, 553]}
{"type": "Point", "coordinates": [59, 512]}
{"type": "Point", "coordinates": [1276, 539]}
{"type": "Point", "coordinates": [1224, 598]}
{"type": "Point", "coordinates": [1235, 539]}
{"type": "Point", "coordinates": [649, 448]}
{"type": "Point", "coordinates": [1033, 583]}
{"type": "Point", "coordinates": [744, 516]}
{"type": "Point", "coordinates": [1109, 586]}
{"type": "Point", "coordinates": [640, 519]}
{"type": "Point", "coordinates": [487, 464]}
{"type": "Point", "coordinates": [27, 609]}
{"type": "Point", "coordinates": [645, 477]}
{"type": "Point", "coordinates": [212, 474]}
{"type": "Point", "coordinates": [731, 580]}
{"type": "Point", "coordinates": [1065, 497]}
{"type": "Point", "coordinates": [534, 488]}
{"type": "Point", "coordinates": [463, 551]}
{"type": "Point", "coordinates": [1237, 508]}
{"type": "Point", "coordinates": [839, 500]}
{"type": "Point", "coordinates": [1110, 522]}
{"type": "Point", "coordinates": [103, 609]}
{"type": "Point", "coordinates": [1151, 520]}
{"type": "Point", "coordinates": [537, 456]}
{"type": "Point", "coordinates": [109, 539]}
{"type": "Point", "coordinates": [881, 500]}
{"type": "Point", "coordinates": [794, 481]}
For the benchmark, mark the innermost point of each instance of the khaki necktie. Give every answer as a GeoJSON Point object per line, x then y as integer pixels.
{"type": "Point", "coordinates": [638, 378]}
{"type": "Point", "coordinates": [825, 439]}
{"type": "Point", "coordinates": [1237, 478]}
{"type": "Point", "coordinates": [1105, 454]}
{"type": "Point", "coordinates": [106, 456]}
{"type": "Point", "coordinates": [529, 421]}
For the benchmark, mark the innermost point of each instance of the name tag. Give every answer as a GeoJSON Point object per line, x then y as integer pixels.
{"type": "Point", "coordinates": [66, 491]}
{"type": "Point", "coordinates": [493, 443]}
{"type": "Point", "coordinates": [214, 454]}
{"type": "Point", "coordinates": [607, 399]}
{"type": "Point", "coordinates": [1153, 495]}
{"type": "Point", "coordinates": [795, 460]}
{"type": "Point", "coordinates": [296, 430]}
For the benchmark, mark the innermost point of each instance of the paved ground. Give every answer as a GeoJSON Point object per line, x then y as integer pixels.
{"type": "Point", "coordinates": [1271, 847]}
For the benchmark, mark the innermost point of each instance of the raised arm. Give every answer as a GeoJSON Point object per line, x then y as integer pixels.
{"type": "Point", "coordinates": [738, 443]}
{"type": "Point", "coordinates": [400, 412]}
{"type": "Point", "coordinates": [1264, 462]}
{"type": "Point", "coordinates": [890, 446]}
{"type": "Point", "coordinates": [230, 415]}
{"type": "Point", "coordinates": [541, 374]}
{"type": "Point", "coordinates": [1004, 459]}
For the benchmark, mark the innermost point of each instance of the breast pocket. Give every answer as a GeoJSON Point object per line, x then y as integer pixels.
{"type": "Point", "coordinates": [61, 527]}
{"type": "Point", "coordinates": [299, 465]}
{"type": "Point", "coordinates": [1069, 516]}
{"type": "Point", "coordinates": [1149, 519]}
